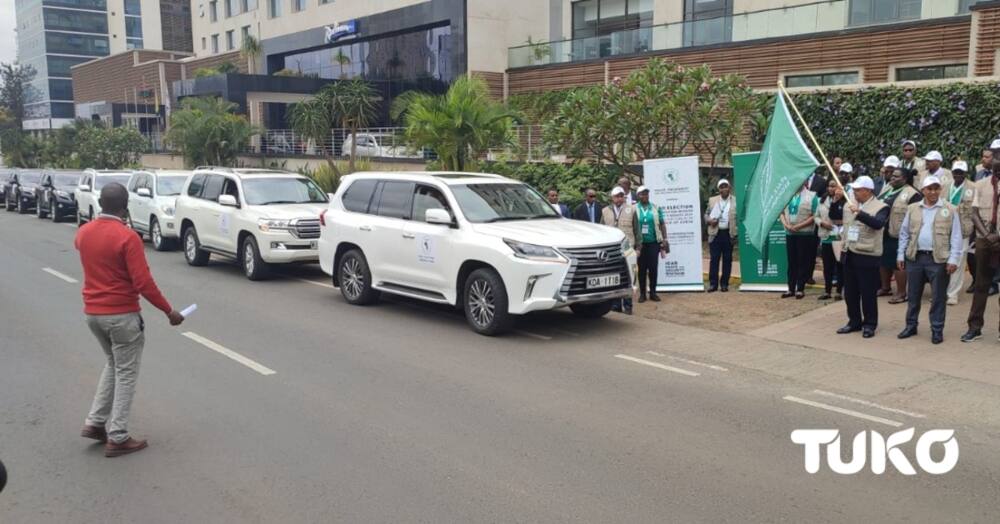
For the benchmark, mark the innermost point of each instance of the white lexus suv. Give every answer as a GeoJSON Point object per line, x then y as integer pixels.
{"type": "Point", "coordinates": [151, 204]}
{"type": "Point", "coordinates": [88, 191]}
{"type": "Point", "coordinates": [260, 217]}
{"type": "Point", "coordinates": [484, 243]}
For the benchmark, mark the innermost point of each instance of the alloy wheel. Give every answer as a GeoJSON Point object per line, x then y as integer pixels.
{"type": "Point", "coordinates": [190, 248]}
{"type": "Point", "coordinates": [157, 236]}
{"type": "Point", "coordinates": [481, 303]}
{"type": "Point", "coordinates": [248, 258]}
{"type": "Point", "coordinates": [352, 277]}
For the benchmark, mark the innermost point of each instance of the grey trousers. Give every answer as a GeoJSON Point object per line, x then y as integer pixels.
{"type": "Point", "coordinates": [122, 339]}
{"type": "Point", "coordinates": [919, 272]}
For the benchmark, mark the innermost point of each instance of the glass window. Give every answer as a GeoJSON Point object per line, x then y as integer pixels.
{"type": "Point", "coordinates": [245, 32]}
{"type": "Point", "coordinates": [497, 202]}
{"type": "Point", "coordinates": [286, 190]}
{"type": "Point", "coordinates": [213, 187]}
{"type": "Point", "coordinates": [60, 89]}
{"type": "Point", "coordinates": [82, 21]}
{"type": "Point", "coordinates": [133, 7]}
{"type": "Point", "coordinates": [102, 180]}
{"type": "Point", "coordinates": [228, 7]}
{"type": "Point", "coordinates": [215, 43]}
{"type": "Point", "coordinates": [394, 200]}
{"type": "Point", "coordinates": [169, 185]}
{"type": "Point", "coordinates": [865, 12]}
{"type": "Point", "coordinates": [133, 43]}
{"type": "Point", "coordinates": [133, 27]}
{"type": "Point", "coordinates": [230, 41]}
{"type": "Point", "coordinates": [964, 5]}
{"type": "Point", "coordinates": [904, 74]}
{"type": "Point", "coordinates": [230, 188]}
{"type": "Point", "coordinates": [426, 198]}
{"type": "Point", "coordinates": [133, 183]}
{"type": "Point", "coordinates": [197, 183]}
{"type": "Point", "coordinates": [76, 44]}
{"type": "Point", "coordinates": [63, 110]}
{"type": "Point", "coordinates": [204, 45]}
{"type": "Point", "coordinates": [274, 8]}
{"type": "Point", "coordinates": [604, 17]}
{"type": "Point", "coordinates": [213, 11]}
{"type": "Point", "coordinates": [357, 197]}
{"type": "Point", "coordinates": [59, 65]}
{"type": "Point", "coordinates": [64, 180]}
{"type": "Point", "coordinates": [298, 5]}
{"type": "Point", "coordinates": [99, 5]}
{"type": "Point", "coordinates": [824, 79]}
{"type": "Point", "coordinates": [707, 21]}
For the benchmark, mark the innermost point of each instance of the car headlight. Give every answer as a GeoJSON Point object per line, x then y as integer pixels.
{"type": "Point", "coordinates": [167, 210]}
{"type": "Point", "coordinates": [626, 247]}
{"type": "Point", "coordinates": [62, 194]}
{"type": "Point", "coordinates": [534, 252]}
{"type": "Point", "coordinates": [272, 224]}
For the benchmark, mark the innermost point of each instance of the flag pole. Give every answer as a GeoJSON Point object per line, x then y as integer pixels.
{"type": "Point", "coordinates": [836, 176]}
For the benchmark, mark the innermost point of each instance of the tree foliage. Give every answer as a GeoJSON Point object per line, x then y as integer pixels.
{"type": "Point", "coordinates": [461, 124]}
{"type": "Point", "coordinates": [101, 147]}
{"type": "Point", "coordinates": [207, 131]}
{"type": "Point", "coordinates": [350, 104]}
{"type": "Point", "coordinates": [16, 91]}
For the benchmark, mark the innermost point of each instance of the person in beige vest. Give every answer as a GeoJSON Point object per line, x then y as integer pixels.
{"type": "Point", "coordinates": [930, 247]}
{"type": "Point", "coordinates": [621, 215]}
{"type": "Point", "coordinates": [960, 195]}
{"type": "Point", "coordinates": [799, 219]}
{"type": "Point", "coordinates": [933, 168]}
{"type": "Point", "coordinates": [865, 219]}
{"type": "Point", "coordinates": [910, 159]}
{"type": "Point", "coordinates": [984, 220]}
{"type": "Point", "coordinates": [650, 242]}
{"type": "Point", "coordinates": [720, 216]}
{"type": "Point", "coordinates": [897, 194]}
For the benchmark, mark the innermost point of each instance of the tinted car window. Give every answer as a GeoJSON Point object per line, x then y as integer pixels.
{"type": "Point", "coordinates": [104, 180]}
{"type": "Point", "coordinates": [425, 198]}
{"type": "Point", "coordinates": [285, 190]}
{"type": "Point", "coordinates": [213, 188]}
{"type": "Point", "coordinates": [357, 197]}
{"type": "Point", "coordinates": [64, 180]}
{"type": "Point", "coordinates": [29, 178]}
{"type": "Point", "coordinates": [197, 182]}
{"type": "Point", "coordinates": [395, 199]}
{"type": "Point", "coordinates": [169, 185]}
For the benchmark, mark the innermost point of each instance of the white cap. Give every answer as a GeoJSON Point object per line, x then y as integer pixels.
{"type": "Point", "coordinates": [863, 182]}
{"type": "Point", "coordinates": [960, 165]}
{"type": "Point", "coordinates": [930, 180]}
{"type": "Point", "coordinates": [723, 182]}
{"type": "Point", "coordinates": [641, 189]}
{"type": "Point", "coordinates": [910, 143]}
{"type": "Point", "coordinates": [934, 155]}
{"type": "Point", "coordinates": [995, 144]}
{"type": "Point", "coordinates": [891, 161]}
{"type": "Point", "coordinates": [846, 167]}
{"type": "Point", "coordinates": [617, 191]}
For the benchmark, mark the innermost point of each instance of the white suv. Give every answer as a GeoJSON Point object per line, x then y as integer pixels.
{"type": "Point", "coordinates": [151, 202]}
{"type": "Point", "coordinates": [487, 244]}
{"type": "Point", "coordinates": [88, 191]}
{"type": "Point", "coordinates": [258, 216]}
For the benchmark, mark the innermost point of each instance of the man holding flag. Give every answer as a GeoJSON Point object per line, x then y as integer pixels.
{"type": "Point", "coordinates": [864, 225]}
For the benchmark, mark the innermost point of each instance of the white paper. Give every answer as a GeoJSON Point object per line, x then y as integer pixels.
{"type": "Point", "coordinates": [186, 312]}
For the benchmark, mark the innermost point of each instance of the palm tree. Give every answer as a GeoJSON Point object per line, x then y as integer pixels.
{"type": "Point", "coordinates": [341, 59]}
{"type": "Point", "coordinates": [463, 122]}
{"type": "Point", "coordinates": [251, 51]}
{"type": "Point", "coordinates": [347, 104]}
{"type": "Point", "coordinates": [208, 131]}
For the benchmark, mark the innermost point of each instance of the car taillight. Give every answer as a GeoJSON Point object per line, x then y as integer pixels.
{"type": "Point", "coordinates": [322, 218]}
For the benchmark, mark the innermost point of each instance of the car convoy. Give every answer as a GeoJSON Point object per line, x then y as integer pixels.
{"type": "Point", "coordinates": [491, 246]}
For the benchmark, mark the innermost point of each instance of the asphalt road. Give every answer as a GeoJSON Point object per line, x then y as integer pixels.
{"type": "Point", "coordinates": [399, 413]}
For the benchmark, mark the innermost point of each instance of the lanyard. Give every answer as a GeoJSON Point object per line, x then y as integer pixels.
{"type": "Point", "coordinates": [888, 195]}
{"type": "Point", "coordinates": [617, 210]}
{"type": "Point", "coordinates": [793, 206]}
{"type": "Point", "coordinates": [723, 209]}
{"type": "Point", "coordinates": [956, 192]}
{"type": "Point", "coordinates": [645, 213]}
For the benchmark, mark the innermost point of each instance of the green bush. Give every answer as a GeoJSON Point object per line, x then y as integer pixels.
{"type": "Point", "coordinates": [328, 177]}
{"type": "Point", "coordinates": [865, 126]}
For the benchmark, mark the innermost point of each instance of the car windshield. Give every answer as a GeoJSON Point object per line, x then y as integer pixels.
{"type": "Point", "coordinates": [499, 202]}
{"type": "Point", "coordinates": [65, 180]}
{"type": "Point", "coordinates": [286, 190]}
{"type": "Point", "coordinates": [170, 185]}
{"type": "Point", "coordinates": [102, 180]}
{"type": "Point", "coordinates": [29, 178]}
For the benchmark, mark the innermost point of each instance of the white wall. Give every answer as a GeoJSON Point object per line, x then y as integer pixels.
{"type": "Point", "coordinates": [495, 26]}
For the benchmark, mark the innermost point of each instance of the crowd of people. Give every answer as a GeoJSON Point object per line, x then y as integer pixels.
{"type": "Point", "coordinates": [914, 223]}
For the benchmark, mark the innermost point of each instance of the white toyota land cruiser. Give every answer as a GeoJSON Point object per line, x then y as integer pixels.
{"type": "Point", "coordinates": [258, 216]}
{"type": "Point", "coordinates": [152, 200]}
{"type": "Point", "coordinates": [88, 192]}
{"type": "Point", "coordinates": [487, 244]}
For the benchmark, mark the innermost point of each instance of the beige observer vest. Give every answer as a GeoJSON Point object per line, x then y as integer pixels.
{"type": "Point", "coordinates": [941, 232]}
{"type": "Point", "coordinates": [869, 240]}
{"type": "Point", "coordinates": [625, 222]}
{"type": "Point", "coordinates": [733, 225]}
{"type": "Point", "coordinates": [899, 206]}
{"type": "Point", "coordinates": [965, 207]}
{"type": "Point", "coordinates": [805, 208]}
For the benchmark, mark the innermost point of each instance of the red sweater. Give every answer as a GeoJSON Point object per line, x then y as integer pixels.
{"type": "Point", "coordinates": [115, 271]}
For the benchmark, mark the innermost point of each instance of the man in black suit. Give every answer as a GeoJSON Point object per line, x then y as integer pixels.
{"type": "Point", "coordinates": [590, 209]}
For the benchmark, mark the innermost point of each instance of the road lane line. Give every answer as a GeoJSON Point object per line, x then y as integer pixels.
{"type": "Point", "coordinates": [692, 362]}
{"type": "Point", "coordinates": [259, 368]}
{"type": "Point", "coordinates": [532, 335]}
{"type": "Point", "coordinates": [313, 282]}
{"type": "Point", "coordinates": [842, 411]}
{"type": "Point", "coordinates": [67, 224]}
{"type": "Point", "coordinates": [564, 332]}
{"type": "Point", "coordinates": [658, 365]}
{"type": "Point", "coordinates": [869, 404]}
{"type": "Point", "coordinates": [61, 276]}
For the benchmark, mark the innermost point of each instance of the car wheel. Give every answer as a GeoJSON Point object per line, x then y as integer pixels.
{"type": "Point", "coordinates": [254, 267]}
{"type": "Point", "coordinates": [193, 252]}
{"type": "Point", "coordinates": [6, 204]}
{"type": "Point", "coordinates": [356, 279]}
{"type": "Point", "coordinates": [90, 215]}
{"type": "Point", "coordinates": [156, 236]}
{"type": "Point", "coordinates": [53, 211]}
{"type": "Point", "coordinates": [38, 209]}
{"type": "Point", "coordinates": [21, 210]}
{"type": "Point", "coordinates": [486, 302]}
{"type": "Point", "coordinates": [592, 309]}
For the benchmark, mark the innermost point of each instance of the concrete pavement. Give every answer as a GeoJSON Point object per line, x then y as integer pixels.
{"type": "Point", "coordinates": [399, 413]}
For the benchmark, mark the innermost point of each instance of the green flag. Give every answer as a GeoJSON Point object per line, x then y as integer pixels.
{"type": "Point", "coordinates": [785, 162]}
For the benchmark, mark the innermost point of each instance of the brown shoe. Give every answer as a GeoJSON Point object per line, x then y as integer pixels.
{"type": "Point", "coordinates": [94, 432]}
{"type": "Point", "coordinates": [129, 446]}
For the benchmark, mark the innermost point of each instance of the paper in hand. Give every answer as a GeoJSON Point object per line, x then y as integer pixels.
{"type": "Point", "coordinates": [186, 312]}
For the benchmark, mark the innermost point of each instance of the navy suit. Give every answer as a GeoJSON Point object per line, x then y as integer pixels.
{"type": "Point", "coordinates": [582, 213]}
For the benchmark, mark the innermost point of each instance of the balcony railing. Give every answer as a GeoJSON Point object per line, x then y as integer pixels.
{"type": "Point", "coordinates": [816, 17]}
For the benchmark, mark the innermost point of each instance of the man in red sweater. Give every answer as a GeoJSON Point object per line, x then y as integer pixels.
{"type": "Point", "coordinates": [115, 273]}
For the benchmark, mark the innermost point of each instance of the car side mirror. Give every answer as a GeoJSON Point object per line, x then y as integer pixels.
{"type": "Point", "coordinates": [84, 188]}
{"type": "Point", "coordinates": [438, 216]}
{"type": "Point", "coordinates": [228, 200]}
{"type": "Point", "coordinates": [144, 192]}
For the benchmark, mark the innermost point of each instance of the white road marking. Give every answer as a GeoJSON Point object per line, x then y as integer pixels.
{"type": "Point", "coordinates": [61, 276]}
{"type": "Point", "coordinates": [692, 362]}
{"type": "Point", "coordinates": [313, 282]}
{"type": "Point", "coordinates": [533, 335]}
{"type": "Point", "coordinates": [869, 404]}
{"type": "Point", "coordinates": [67, 224]}
{"type": "Point", "coordinates": [843, 411]}
{"type": "Point", "coordinates": [259, 368]}
{"type": "Point", "coordinates": [564, 332]}
{"type": "Point", "coordinates": [658, 365]}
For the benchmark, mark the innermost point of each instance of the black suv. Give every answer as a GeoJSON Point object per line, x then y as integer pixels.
{"type": "Point", "coordinates": [6, 178]}
{"type": "Point", "coordinates": [20, 192]}
{"type": "Point", "coordinates": [54, 197]}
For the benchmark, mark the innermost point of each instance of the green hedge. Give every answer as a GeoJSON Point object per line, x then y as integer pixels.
{"type": "Point", "coordinates": [570, 179]}
{"type": "Point", "coordinates": [866, 126]}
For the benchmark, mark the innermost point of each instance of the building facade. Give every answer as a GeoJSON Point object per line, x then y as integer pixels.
{"type": "Point", "coordinates": [55, 35]}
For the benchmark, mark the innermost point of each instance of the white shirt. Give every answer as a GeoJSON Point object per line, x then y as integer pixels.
{"type": "Point", "coordinates": [925, 237]}
{"type": "Point", "coordinates": [721, 212]}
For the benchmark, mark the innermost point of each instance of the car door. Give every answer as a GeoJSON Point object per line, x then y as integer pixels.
{"type": "Point", "coordinates": [428, 251]}
{"type": "Point", "coordinates": [44, 192]}
{"type": "Point", "coordinates": [209, 212]}
{"type": "Point", "coordinates": [138, 206]}
{"type": "Point", "coordinates": [392, 208]}
{"type": "Point", "coordinates": [226, 220]}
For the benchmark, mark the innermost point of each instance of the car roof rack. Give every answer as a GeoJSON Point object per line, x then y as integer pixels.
{"type": "Point", "coordinates": [217, 168]}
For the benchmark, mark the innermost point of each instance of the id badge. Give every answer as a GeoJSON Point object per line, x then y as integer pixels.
{"type": "Point", "coordinates": [853, 233]}
{"type": "Point", "coordinates": [645, 229]}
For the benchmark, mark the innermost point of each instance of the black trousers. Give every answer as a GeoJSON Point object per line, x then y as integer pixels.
{"type": "Point", "coordinates": [649, 267]}
{"type": "Point", "coordinates": [832, 268]}
{"type": "Point", "coordinates": [921, 271]}
{"type": "Point", "coordinates": [861, 283]}
{"type": "Point", "coordinates": [801, 260]}
{"type": "Point", "coordinates": [720, 249]}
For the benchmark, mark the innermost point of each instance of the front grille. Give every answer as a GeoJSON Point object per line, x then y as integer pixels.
{"type": "Point", "coordinates": [306, 228]}
{"type": "Point", "coordinates": [586, 262]}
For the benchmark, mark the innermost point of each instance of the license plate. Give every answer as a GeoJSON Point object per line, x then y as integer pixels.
{"type": "Point", "coordinates": [603, 281]}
